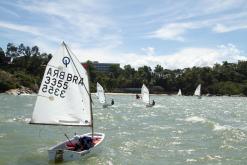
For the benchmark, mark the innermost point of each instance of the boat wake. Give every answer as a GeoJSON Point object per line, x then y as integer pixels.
{"type": "Point", "coordinates": [215, 126]}
{"type": "Point", "coordinates": [195, 119]}
{"type": "Point", "coordinates": [21, 119]}
{"type": "Point", "coordinates": [137, 105]}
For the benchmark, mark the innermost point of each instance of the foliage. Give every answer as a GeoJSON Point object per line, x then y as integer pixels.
{"type": "Point", "coordinates": [222, 79]}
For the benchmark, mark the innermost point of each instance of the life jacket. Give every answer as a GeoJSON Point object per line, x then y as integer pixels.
{"type": "Point", "coordinates": [86, 142]}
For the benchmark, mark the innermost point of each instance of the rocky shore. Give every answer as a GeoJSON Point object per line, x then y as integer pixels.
{"type": "Point", "coordinates": [20, 91]}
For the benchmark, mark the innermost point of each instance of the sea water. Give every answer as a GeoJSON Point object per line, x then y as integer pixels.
{"type": "Point", "coordinates": [176, 131]}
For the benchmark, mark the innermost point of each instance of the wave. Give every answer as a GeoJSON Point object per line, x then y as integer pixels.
{"type": "Point", "coordinates": [159, 106]}
{"type": "Point", "coordinates": [19, 119]}
{"type": "Point", "coordinates": [137, 105]}
{"type": "Point", "coordinates": [215, 126]}
{"type": "Point", "coordinates": [195, 119]}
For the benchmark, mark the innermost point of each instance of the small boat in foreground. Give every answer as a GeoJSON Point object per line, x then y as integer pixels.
{"type": "Point", "coordinates": [64, 99]}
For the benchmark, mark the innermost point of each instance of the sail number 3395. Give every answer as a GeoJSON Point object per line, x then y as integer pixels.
{"type": "Point", "coordinates": [54, 86]}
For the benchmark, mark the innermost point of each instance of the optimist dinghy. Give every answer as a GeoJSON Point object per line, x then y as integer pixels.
{"type": "Point", "coordinates": [64, 99]}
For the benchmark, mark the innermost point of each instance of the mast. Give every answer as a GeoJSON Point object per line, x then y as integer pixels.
{"type": "Point", "coordinates": [88, 90]}
{"type": "Point", "coordinates": [90, 105]}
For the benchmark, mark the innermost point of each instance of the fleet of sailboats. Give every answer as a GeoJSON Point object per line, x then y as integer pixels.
{"type": "Point", "coordinates": [101, 96]}
{"type": "Point", "coordinates": [64, 99]}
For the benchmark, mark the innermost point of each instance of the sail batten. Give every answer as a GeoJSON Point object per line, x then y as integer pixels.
{"type": "Point", "coordinates": [145, 94]}
{"type": "Point", "coordinates": [63, 97]}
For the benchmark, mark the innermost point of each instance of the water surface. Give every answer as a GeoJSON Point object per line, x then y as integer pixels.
{"type": "Point", "coordinates": [177, 130]}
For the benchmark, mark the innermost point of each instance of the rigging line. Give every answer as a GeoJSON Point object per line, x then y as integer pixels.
{"type": "Point", "coordinates": [77, 71]}
{"type": "Point", "coordinates": [71, 53]}
{"type": "Point", "coordinates": [91, 101]}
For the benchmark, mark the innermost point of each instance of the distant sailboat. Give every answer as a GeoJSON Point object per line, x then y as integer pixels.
{"type": "Point", "coordinates": [146, 97]}
{"type": "Point", "coordinates": [179, 92]}
{"type": "Point", "coordinates": [198, 91]}
{"type": "Point", "coordinates": [101, 96]}
{"type": "Point", "coordinates": [64, 99]}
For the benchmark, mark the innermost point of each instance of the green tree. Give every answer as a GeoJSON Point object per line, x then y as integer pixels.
{"type": "Point", "coordinates": [2, 56]}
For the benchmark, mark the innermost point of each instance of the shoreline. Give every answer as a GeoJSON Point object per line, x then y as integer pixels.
{"type": "Point", "coordinates": [27, 91]}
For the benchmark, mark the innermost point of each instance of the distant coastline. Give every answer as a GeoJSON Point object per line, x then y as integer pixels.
{"type": "Point", "coordinates": [23, 67]}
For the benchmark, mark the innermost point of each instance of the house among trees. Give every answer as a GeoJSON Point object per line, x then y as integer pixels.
{"type": "Point", "coordinates": [101, 67]}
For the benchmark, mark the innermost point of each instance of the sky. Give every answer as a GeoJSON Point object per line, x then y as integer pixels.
{"type": "Point", "coordinates": [172, 33]}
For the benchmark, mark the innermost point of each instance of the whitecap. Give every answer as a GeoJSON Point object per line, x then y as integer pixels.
{"type": "Point", "coordinates": [195, 119]}
{"type": "Point", "coordinates": [19, 119]}
{"type": "Point", "coordinates": [137, 105]}
{"type": "Point", "coordinates": [191, 160]}
{"type": "Point", "coordinates": [159, 106]}
{"type": "Point", "coordinates": [2, 135]}
{"type": "Point", "coordinates": [218, 127]}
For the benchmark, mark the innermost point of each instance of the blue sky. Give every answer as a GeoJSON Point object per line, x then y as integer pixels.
{"type": "Point", "coordinates": [172, 33]}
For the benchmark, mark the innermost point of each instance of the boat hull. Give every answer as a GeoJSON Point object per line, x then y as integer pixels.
{"type": "Point", "coordinates": [60, 152]}
{"type": "Point", "coordinates": [149, 105]}
{"type": "Point", "coordinates": [106, 105]}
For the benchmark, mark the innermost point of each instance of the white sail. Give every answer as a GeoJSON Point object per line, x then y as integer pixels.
{"type": "Point", "coordinates": [100, 93]}
{"type": "Point", "coordinates": [198, 91]}
{"type": "Point", "coordinates": [145, 94]}
{"type": "Point", "coordinates": [179, 92]}
{"type": "Point", "coordinates": [64, 95]}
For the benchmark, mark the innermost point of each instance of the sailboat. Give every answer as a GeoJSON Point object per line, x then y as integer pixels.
{"type": "Point", "coordinates": [64, 99]}
{"type": "Point", "coordinates": [179, 92]}
{"type": "Point", "coordinates": [101, 96]}
{"type": "Point", "coordinates": [198, 91]}
{"type": "Point", "coordinates": [146, 97]}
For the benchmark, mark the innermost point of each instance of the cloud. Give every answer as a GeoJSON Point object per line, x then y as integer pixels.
{"type": "Point", "coordinates": [148, 51]}
{"type": "Point", "coordinates": [220, 28]}
{"type": "Point", "coordinates": [220, 16]}
{"type": "Point", "coordinates": [173, 31]}
{"type": "Point", "coordinates": [80, 21]}
{"type": "Point", "coordinates": [176, 31]}
{"type": "Point", "coordinates": [187, 57]}
{"type": "Point", "coordinates": [22, 28]}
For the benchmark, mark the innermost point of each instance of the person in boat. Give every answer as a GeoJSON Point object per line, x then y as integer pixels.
{"type": "Point", "coordinates": [82, 143]}
{"type": "Point", "coordinates": [153, 103]}
{"type": "Point", "coordinates": [137, 96]}
{"type": "Point", "coordinates": [112, 101]}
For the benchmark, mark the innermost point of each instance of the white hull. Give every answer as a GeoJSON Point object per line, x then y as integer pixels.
{"type": "Point", "coordinates": [60, 152]}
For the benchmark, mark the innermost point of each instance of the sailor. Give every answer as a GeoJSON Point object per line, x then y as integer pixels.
{"type": "Point", "coordinates": [86, 142]}
{"type": "Point", "coordinates": [82, 143]}
{"type": "Point", "coordinates": [75, 146]}
{"type": "Point", "coordinates": [112, 101]}
{"type": "Point", "coordinates": [153, 103]}
{"type": "Point", "coordinates": [137, 96]}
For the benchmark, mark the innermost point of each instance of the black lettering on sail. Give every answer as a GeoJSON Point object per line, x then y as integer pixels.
{"type": "Point", "coordinates": [49, 72]}
{"type": "Point", "coordinates": [61, 75]}
{"type": "Point", "coordinates": [75, 78]}
{"type": "Point", "coordinates": [81, 81]}
{"type": "Point", "coordinates": [69, 77]}
{"type": "Point", "coordinates": [55, 73]}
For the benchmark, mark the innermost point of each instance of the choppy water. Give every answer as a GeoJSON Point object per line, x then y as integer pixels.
{"type": "Point", "coordinates": [178, 130]}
